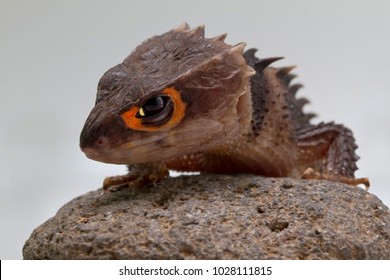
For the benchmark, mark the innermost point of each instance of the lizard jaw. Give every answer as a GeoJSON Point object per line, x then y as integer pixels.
{"type": "Point", "coordinates": [158, 147]}
{"type": "Point", "coordinates": [127, 153]}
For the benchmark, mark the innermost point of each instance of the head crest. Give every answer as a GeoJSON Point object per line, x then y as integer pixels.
{"type": "Point", "coordinates": [164, 58]}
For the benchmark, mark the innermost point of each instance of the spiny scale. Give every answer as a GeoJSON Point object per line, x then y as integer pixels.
{"type": "Point", "coordinates": [284, 71]}
{"type": "Point", "coordinates": [198, 31]}
{"type": "Point", "coordinates": [265, 62]}
{"type": "Point", "coordinates": [220, 38]}
{"type": "Point", "coordinates": [293, 89]}
{"type": "Point", "coordinates": [294, 107]}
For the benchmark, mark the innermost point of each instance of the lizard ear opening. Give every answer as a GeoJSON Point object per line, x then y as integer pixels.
{"type": "Point", "coordinates": [158, 113]}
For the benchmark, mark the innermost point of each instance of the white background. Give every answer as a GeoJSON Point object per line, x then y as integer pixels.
{"type": "Point", "coordinates": [137, 269]}
{"type": "Point", "coordinates": [52, 54]}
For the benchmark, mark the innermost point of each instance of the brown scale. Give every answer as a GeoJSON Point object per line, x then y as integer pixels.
{"type": "Point", "coordinates": [185, 102]}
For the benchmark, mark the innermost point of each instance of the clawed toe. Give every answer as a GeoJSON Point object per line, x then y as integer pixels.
{"type": "Point", "coordinates": [310, 173]}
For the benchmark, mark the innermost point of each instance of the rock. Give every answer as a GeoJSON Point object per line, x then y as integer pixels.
{"type": "Point", "coordinates": [218, 217]}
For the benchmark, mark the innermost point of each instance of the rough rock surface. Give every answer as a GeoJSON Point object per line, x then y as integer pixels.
{"type": "Point", "coordinates": [218, 217]}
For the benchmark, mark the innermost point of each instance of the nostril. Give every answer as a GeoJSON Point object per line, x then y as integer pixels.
{"type": "Point", "coordinates": [95, 148]}
{"type": "Point", "coordinates": [101, 142]}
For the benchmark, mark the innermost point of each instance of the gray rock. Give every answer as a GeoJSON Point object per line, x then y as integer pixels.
{"type": "Point", "coordinates": [218, 217]}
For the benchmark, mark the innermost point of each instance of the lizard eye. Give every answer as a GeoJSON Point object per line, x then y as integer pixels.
{"type": "Point", "coordinates": [156, 110]}
{"type": "Point", "coordinates": [159, 113]}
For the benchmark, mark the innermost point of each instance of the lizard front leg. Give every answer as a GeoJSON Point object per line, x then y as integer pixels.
{"type": "Point", "coordinates": [330, 151]}
{"type": "Point", "coordinates": [139, 175]}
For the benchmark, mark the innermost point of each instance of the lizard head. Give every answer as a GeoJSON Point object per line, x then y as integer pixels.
{"type": "Point", "coordinates": [175, 94]}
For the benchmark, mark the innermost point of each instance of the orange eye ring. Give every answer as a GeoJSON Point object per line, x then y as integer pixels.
{"type": "Point", "coordinates": [136, 123]}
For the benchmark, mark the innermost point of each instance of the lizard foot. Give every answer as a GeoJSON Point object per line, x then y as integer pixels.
{"type": "Point", "coordinates": [310, 173]}
{"type": "Point", "coordinates": [139, 175]}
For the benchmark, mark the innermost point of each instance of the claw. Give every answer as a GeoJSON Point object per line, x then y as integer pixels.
{"type": "Point", "coordinates": [310, 173]}
{"type": "Point", "coordinates": [139, 175]}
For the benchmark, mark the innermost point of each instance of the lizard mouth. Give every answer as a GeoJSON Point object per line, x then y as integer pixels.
{"type": "Point", "coordinates": [146, 147]}
{"type": "Point", "coordinates": [132, 152]}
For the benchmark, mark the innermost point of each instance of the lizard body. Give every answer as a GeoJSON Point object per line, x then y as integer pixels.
{"type": "Point", "coordinates": [185, 102]}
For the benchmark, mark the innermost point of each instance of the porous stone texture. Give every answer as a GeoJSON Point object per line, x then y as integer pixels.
{"type": "Point", "coordinates": [218, 217]}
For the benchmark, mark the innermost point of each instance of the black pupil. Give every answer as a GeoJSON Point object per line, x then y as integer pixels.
{"type": "Point", "coordinates": [153, 107]}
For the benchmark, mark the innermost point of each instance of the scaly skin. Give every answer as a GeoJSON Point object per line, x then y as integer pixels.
{"type": "Point", "coordinates": [189, 103]}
